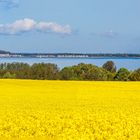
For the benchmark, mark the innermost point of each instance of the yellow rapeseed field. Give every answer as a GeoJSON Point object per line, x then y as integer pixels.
{"type": "Point", "coordinates": [69, 110]}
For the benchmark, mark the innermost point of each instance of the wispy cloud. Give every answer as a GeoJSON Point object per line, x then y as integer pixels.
{"type": "Point", "coordinates": [107, 34]}
{"type": "Point", "coordinates": [28, 25]}
{"type": "Point", "coordinates": [10, 3]}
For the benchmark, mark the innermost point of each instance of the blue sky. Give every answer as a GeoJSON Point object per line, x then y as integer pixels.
{"type": "Point", "coordinates": [91, 26]}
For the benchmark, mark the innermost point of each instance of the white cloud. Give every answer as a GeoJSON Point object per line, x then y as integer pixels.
{"type": "Point", "coordinates": [53, 27]}
{"type": "Point", "coordinates": [10, 3]}
{"type": "Point", "coordinates": [27, 25]}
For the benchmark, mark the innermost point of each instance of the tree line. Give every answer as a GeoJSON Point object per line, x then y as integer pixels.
{"type": "Point", "coordinates": [49, 71]}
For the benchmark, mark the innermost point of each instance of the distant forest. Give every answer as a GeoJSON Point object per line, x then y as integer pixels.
{"type": "Point", "coordinates": [48, 71]}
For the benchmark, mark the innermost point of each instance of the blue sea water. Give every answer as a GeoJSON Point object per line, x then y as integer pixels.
{"type": "Point", "coordinates": [129, 63]}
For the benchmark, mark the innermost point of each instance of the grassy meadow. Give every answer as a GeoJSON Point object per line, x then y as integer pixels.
{"type": "Point", "coordinates": [70, 110]}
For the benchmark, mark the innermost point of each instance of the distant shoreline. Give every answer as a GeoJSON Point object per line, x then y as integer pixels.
{"type": "Point", "coordinates": [69, 55]}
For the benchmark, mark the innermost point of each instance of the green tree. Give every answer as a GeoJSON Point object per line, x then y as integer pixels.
{"type": "Point", "coordinates": [135, 75]}
{"type": "Point", "coordinates": [44, 71]}
{"type": "Point", "coordinates": [8, 75]}
{"type": "Point", "coordinates": [21, 70]}
{"type": "Point", "coordinates": [109, 66]}
{"type": "Point", "coordinates": [67, 73]}
{"type": "Point", "coordinates": [85, 72]}
{"type": "Point", "coordinates": [122, 75]}
{"type": "Point", "coordinates": [91, 72]}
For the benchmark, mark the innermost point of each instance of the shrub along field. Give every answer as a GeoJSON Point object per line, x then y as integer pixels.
{"type": "Point", "coordinates": [69, 110]}
{"type": "Point", "coordinates": [79, 72]}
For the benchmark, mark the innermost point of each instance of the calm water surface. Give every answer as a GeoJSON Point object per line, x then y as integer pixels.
{"type": "Point", "coordinates": [128, 63]}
